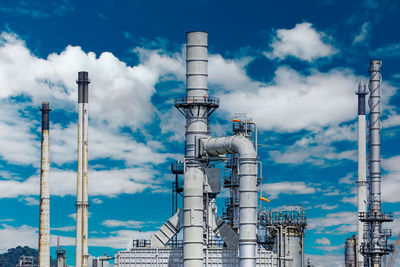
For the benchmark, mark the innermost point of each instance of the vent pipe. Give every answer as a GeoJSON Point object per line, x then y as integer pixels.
{"type": "Point", "coordinates": [44, 224]}
{"type": "Point", "coordinates": [81, 241]}
{"type": "Point", "coordinates": [362, 169]}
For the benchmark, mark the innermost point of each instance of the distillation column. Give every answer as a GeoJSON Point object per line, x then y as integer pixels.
{"type": "Point", "coordinates": [81, 241]}
{"type": "Point", "coordinates": [375, 246]}
{"type": "Point", "coordinates": [44, 228]}
{"type": "Point", "coordinates": [362, 169]}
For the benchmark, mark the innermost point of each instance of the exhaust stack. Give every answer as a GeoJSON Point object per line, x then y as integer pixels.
{"type": "Point", "coordinates": [81, 241]}
{"type": "Point", "coordinates": [44, 228]}
{"type": "Point", "coordinates": [197, 106]}
{"type": "Point", "coordinates": [362, 169]}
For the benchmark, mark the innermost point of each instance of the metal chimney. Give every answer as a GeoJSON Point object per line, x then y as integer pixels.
{"type": "Point", "coordinates": [362, 169]}
{"type": "Point", "coordinates": [375, 246]}
{"type": "Point", "coordinates": [44, 228]}
{"type": "Point", "coordinates": [81, 241]}
{"type": "Point", "coordinates": [197, 106]}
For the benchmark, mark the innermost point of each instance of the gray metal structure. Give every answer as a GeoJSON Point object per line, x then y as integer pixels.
{"type": "Point", "coordinates": [247, 189]}
{"type": "Point", "coordinates": [282, 231]}
{"type": "Point", "coordinates": [375, 245]}
{"type": "Point", "coordinates": [27, 261]}
{"type": "Point", "coordinates": [44, 223]}
{"type": "Point", "coordinates": [81, 241]}
{"type": "Point", "coordinates": [61, 255]}
{"type": "Point", "coordinates": [350, 252]}
{"type": "Point", "coordinates": [362, 169]}
{"type": "Point", "coordinates": [207, 238]}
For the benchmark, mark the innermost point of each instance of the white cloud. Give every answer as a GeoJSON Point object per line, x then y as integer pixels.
{"type": "Point", "coordinates": [302, 41]}
{"type": "Point", "coordinates": [19, 144]}
{"type": "Point", "coordinates": [64, 228]}
{"type": "Point", "coordinates": [101, 183]}
{"type": "Point", "coordinates": [12, 236]}
{"type": "Point", "coordinates": [323, 241]}
{"type": "Point", "coordinates": [391, 180]}
{"type": "Point", "coordinates": [348, 179]}
{"type": "Point", "coordinates": [127, 224]}
{"type": "Point", "coordinates": [293, 101]}
{"type": "Point", "coordinates": [351, 200]}
{"type": "Point", "coordinates": [342, 222]}
{"type": "Point", "coordinates": [230, 74]}
{"type": "Point", "coordinates": [30, 201]}
{"type": "Point", "coordinates": [273, 190]}
{"type": "Point", "coordinates": [27, 236]}
{"type": "Point", "coordinates": [363, 33]}
{"type": "Point", "coordinates": [120, 96]}
{"type": "Point", "coordinates": [393, 120]}
{"type": "Point", "coordinates": [330, 248]}
{"type": "Point", "coordinates": [316, 147]}
{"type": "Point", "coordinates": [326, 206]}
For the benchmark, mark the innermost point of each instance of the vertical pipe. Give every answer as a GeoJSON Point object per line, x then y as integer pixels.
{"type": "Point", "coordinates": [375, 159]}
{"type": "Point", "coordinates": [81, 242]}
{"type": "Point", "coordinates": [44, 228]}
{"type": "Point", "coordinates": [193, 218]}
{"type": "Point", "coordinates": [196, 127]}
{"type": "Point", "coordinates": [196, 89]}
{"type": "Point", "coordinates": [362, 169]}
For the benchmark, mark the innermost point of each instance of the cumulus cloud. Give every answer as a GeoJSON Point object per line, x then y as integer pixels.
{"type": "Point", "coordinates": [12, 236]}
{"type": "Point", "coordinates": [120, 95]}
{"type": "Point", "coordinates": [293, 101]}
{"type": "Point", "coordinates": [303, 42]}
{"type": "Point", "coordinates": [273, 190]}
{"type": "Point", "coordinates": [108, 183]}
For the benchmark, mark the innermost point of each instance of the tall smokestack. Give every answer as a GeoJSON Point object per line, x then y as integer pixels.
{"type": "Point", "coordinates": [362, 169]}
{"type": "Point", "coordinates": [375, 247]}
{"type": "Point", "coordinates": [81, 241]}
{"type": "Point", "coordinates": [197, 106]}
{"type": "Point", "coordinates": [44, 228]}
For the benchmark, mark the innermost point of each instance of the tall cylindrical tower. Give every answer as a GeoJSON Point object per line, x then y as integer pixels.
{"type": "Point", "coordinates": [44, 224]}
{"type": "Point", "coordinates": [350, 252]}
{"type": "Point", "coordinates": [375, 247]}
{"type": "Point", "coordinates": [196, 107]}
{"type": "Point", "coordinates": [81, 242]}
{"type": "Point", "coordinates": [362, 169]}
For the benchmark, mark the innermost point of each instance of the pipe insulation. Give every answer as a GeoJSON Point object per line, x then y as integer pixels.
{"type": "Point", "coordinates": [44, 223]}
{"type": "Point", "coordinates": [196, 90]}
{"type": "Point", "coordinates": [193, 213]}
{"type": "Point", "coordinates": [247, 190]}
{"type": "Point", "coordinates": [81, 241]}
{"type": "Point", "coordinates": [362, 170]}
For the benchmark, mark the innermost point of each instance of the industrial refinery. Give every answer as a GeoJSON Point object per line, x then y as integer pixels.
{"type": "Point", "coordinates": [241, 233]}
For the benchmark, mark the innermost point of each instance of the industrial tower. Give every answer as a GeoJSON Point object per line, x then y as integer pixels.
{"type": "Point", "coordinates": [82, 204]}
{"type": "Point", "coordinates": [375, 245]}
{"type": "Point", "coordinates": [44, 224]}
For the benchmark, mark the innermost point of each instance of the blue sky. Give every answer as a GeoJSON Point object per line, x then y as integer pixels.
{"type": "Point", "coordinates": [292, 66]}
